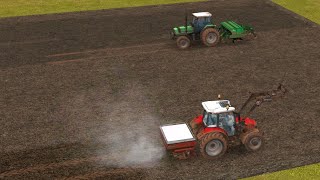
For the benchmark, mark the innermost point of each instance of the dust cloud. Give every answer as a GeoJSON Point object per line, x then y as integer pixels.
{"type": "Point", "coordinates": [132, 131]}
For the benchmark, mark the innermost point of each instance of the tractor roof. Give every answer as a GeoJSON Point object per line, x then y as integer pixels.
{"type": "Point", "coordinates": [202, 14]}
{"type": "Point", "coordinates": [218, 106]}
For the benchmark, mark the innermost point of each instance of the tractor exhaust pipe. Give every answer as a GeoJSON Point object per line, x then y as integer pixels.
{"type": "Point", "coordinates": [186, 21]}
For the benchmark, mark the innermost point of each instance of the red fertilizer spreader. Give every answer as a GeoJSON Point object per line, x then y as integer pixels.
{"type": "Point", "coordinates": [178, 139]}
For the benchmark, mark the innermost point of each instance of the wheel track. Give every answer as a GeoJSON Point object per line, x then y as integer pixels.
{"type": "Point", "coordinates": [140, 48]}
{"type": "Point", "coordinates": [50, 166]}
{"type": "Point", "coordinates": [112, 173]}
{"type": "Point", "coordinates": [106, 53]}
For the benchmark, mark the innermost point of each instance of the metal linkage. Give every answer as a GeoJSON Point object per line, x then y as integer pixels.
{"type": "Point", "coordinates": [263, 97]}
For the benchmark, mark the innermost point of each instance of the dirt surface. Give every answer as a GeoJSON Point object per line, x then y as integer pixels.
{"type": "Point", "coordinates": [83, 94]}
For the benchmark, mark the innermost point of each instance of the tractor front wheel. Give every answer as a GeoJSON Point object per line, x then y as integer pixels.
{"type": "Point", "coordinates": [183, 42]}
{"type": "Point", "coordinates": [213, 145]}
{"type": "Point", "coordinates": [210, 37]}
{"type": "Point", "coordinates": [252, 140]}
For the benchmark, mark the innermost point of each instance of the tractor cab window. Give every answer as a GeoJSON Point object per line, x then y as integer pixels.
{"type": "Point", "coordinates": [227, 122]}
{"type": "Point", "coordinates": [201, 20]}
{"type": "Point", "coordinates": [208, 20]}
{"type": "Point", "coordinates": [199, 23]}
{"type": "Point", "coordinates": [209, 119]}
{"type": "Point", "coordinates": [194, 21]}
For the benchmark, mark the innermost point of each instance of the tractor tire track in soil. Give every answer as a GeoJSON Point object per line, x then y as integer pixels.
{"type": "Point", "coordinates": [84, 93]}
{"type": "Point", "coordinates": [119, 173]}
{"type": "Point", "coordinates": [107, 173]}
{"type": "Point", "coordinates": [107, 53]}
{"type": "Point", "coordinates": [43, 167]}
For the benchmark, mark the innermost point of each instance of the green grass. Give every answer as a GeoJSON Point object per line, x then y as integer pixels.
{"type": "Point", "coordinates": [310, 172]}
{"type": "Point", "coordinates": [307, 8]}
{"type": "Point", "coordinates": [10, 8]}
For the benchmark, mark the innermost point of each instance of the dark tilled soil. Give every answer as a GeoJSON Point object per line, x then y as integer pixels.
{"type": "Point", "coordinates": [83, 94]}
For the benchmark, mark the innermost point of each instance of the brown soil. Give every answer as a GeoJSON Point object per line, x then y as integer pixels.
{"type": "Point", "coordinates": [84, 93]}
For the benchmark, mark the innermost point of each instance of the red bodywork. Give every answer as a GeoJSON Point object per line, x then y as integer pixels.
{"type": "Point", "coordinates": [198, 119]}
{"type": "Point", "coordinates": [205, 130]}
{"type": "Point", "coordinates": [179, 147]}
{"type": "Point", "coordinates": [249, 123]}
{"type": "Point", "coordinates": [181, 150]}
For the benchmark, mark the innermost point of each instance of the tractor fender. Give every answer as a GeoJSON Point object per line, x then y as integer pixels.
{"type": "Point", "coordinates": [250, 122]}
{"type": "Point", "coordinates": [206, 27]}
{"type": "Point", "coordinates": [209, 26]}
{"type": "Point", "coordinates": [198, 120]}
{"type": "Point", "coordinates": [196, 124]}
{"type": "Point", "coordinates": [208, 130]}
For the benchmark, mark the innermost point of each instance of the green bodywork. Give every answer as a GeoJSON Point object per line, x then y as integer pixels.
{"type": "Point", "coordinates": [181, 30]}
{"type": "Point", "coordinates": [230, 29]}
{"type": "Point", "coordinates": [210, 25]}
{"type": "Point", "coordinates": [227, 30]}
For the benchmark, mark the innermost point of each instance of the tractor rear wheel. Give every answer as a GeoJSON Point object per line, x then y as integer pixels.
{"type": "Point", "coordinates": [183, 42]}
{"type": "Point", "coordinates": [252, 140]}
{"type": "Point", "coordinates": [210, 37]}
{"type": "Point", "coordinates": [213, 145]}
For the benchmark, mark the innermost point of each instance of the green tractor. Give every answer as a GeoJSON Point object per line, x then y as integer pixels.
{"type": "Point", "coordinates": [202, 28]}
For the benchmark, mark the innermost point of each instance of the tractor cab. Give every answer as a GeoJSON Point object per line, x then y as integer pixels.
{"type": "Point", "coordinates": [203, 28]}
{"type": "Point", "coordinates": [200, 20]}
{"type": "Point", "coordinates": [219, 114]}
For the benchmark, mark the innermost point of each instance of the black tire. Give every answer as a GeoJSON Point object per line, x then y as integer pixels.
{"type": "Point", "coordinates": [210, 37]}
{"type": "Point", "coordinates": [252, 140]}
{"type": "Point", "coordinates": [213, 145]}
{"type": "Point", "coordinates": [183, 42]}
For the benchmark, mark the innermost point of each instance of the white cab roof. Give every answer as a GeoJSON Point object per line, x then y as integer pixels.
{"type": "Point", "coordinates": [218, 106]}
{"type": "Point", "coordinates": [202, 14]}
{"type": "Point", "coordinates": [176, 133]}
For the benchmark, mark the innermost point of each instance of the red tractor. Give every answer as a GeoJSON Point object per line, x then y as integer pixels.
{"type": "Point", "coordinates": [219, 127]}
